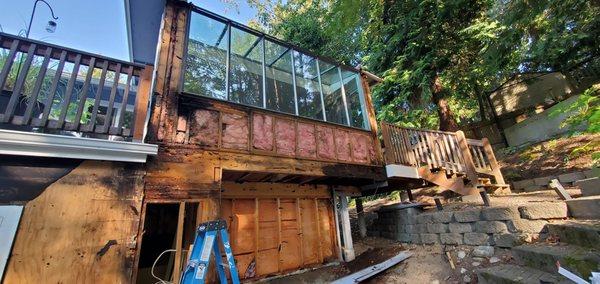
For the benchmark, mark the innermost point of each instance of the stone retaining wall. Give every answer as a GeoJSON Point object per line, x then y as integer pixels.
{"type": "Point", "coordinates": [541, 183]}
{"type": "Point", "coordinates": [497, 226]}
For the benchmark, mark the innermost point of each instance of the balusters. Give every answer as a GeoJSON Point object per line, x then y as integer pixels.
{"type": "Point", "coordinates": [62, 96]}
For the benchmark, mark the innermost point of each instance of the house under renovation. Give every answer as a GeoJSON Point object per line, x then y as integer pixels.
{"type": "Point", "coordinates": [107, 167]}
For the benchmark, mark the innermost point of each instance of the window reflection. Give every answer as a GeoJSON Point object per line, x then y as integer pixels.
{"type": "Point", "coordinates": [354, 99]}
{"type": "Point", "coordinates": [206, 60]}
{"type": "Point", "coordinates": [280, 88]}
{"type": "Point", "coordinates": [265, 73]}
{"type": "Point", "coordinates": [307, 86]}
{"type": "Point", "coordinates": [332, 93]}
{"type": "Point", "coordinates": [246, 68]}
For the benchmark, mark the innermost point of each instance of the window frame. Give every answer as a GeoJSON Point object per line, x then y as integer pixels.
{"type": "Point", "coordinates": [263, 37]}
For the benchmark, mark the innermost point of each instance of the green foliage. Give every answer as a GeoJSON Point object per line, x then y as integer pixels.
{"type": "Point", "coordinates": [586, 109]}
{"type": "Point", "coordinates": [438, 58]}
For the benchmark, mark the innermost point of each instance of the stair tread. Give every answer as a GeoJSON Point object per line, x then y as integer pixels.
{"type": "Point", "coordinates": [584, 233]}
{"type": "Point", "coordinates": [543, 256]}
{"type": "Point", "coordinates": [508, 273]}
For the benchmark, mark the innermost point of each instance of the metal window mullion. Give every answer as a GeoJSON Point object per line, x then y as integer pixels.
{"type": "Point", "coordinates": [228, 63]}
{"type": "Point", "coordinates": [294, 81]}
{"type": "Point", "coordinates": [264, 73]}
{"type": "Point", "coordinates": [344, 96]}
{"type": "Point", "coordinates": [321, 90]}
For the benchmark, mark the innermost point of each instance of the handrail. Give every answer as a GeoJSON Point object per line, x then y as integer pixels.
{"type": "Point", "coordinates": [439, 149]}
{"type": "Point", "coordinates": [55, 88]}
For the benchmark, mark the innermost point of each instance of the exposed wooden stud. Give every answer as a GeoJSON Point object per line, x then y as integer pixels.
{"type": "Point", "coordinates": [142, 101]}
{"type": "Point", "coordinates": [178, 244]}
{"type": "Point", "coordinates": [318, 221]}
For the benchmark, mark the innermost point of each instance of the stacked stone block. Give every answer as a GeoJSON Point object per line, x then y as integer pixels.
{"type": "Point", "coordinates": [498, 226]}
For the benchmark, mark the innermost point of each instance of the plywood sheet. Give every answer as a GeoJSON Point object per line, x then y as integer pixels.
{"type": "Point", "coordinates": [310, 236]}
{"type": "Point", "coordinates": [80, 229]}
{"type": "Point", "coordinates": [326, 229]}
{"type": "Point", "coordinates": [268, 262]}
{"type": "Point", "coordinates": [244, 226]}
{"type": "Point", "coordinates": [204, 128]}
{"type": "Point", "coordinates": [262, 132]}
{"type": "Point", "coordinates": [342, 145]}
{"type": "Point", "coordinates": [325, 142]}
{"type": "Point", "coordinates": [235, 131]}
{"type": "Point", "coordinates": [307, 147]}
{"type": "Point", "coordinates": [285, 137]}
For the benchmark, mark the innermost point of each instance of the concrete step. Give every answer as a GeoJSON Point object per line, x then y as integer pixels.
{"type": "Point", "coordinates": [584, 207]}
{"type": "Point", "coordinates": [543, 256]}
{"type": "Point", "coordinates": [508, 273]}
{"type": "Point", "coordinates": [585, 233]}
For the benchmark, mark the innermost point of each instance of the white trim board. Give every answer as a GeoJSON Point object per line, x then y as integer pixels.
{"type": "Point", "coordinates": [401, 171]}
{"type": "Point", "coordinates": [9, 221]}
{"type": "Point", "coordinates": [57, 146]}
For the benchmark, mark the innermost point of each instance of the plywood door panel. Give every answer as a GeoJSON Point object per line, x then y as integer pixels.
{"type": "Point", "coordinates": [290, 253]}
{"type": "Point", "coordinates": [310, 234]}
{"type": "Point", "coordinates": [275, 235]}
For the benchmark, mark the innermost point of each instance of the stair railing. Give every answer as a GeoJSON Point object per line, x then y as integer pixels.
{"type": "Point", "coordinates": [438, 150]}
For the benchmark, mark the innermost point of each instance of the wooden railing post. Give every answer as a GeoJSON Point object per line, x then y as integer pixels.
{"type": "Point", "coordinates": [493, 162]}
{"type": "Point", "coordinates": [142, 102]}
{"type": "Point", "coordinates": [468, 159]}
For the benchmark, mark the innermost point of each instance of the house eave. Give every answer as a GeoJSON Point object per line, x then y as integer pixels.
{"type": "Point", "coordinates": [58, 146]}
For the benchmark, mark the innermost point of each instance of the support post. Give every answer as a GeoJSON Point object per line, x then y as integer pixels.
{"type": "Point", "coordinates": [142, 104]}
{"type": "Point", "coordinates": [489, 152]}
{"type": "Point", "coordinates": [178, 244]}
{"type": "Point", "coordinates": [347, 245]}
{"type": "Point", "coordinates": [362, 224]}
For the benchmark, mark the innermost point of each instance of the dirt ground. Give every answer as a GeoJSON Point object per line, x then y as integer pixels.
{"type": "Point", "coordinates": [552, 157]}
{"type": "Point", "coordinates": [428, 264]}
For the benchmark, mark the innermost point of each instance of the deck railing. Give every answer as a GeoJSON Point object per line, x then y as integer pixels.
{"type": "Point", "coordinates": [49, 88]}
{"type": "Point", "coordinates": [439, 150]}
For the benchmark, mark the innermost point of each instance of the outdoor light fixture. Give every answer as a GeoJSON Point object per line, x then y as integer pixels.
{"type": "Point", "coordinates": [51, 27]}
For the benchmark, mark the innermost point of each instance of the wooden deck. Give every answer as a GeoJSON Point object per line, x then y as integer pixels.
{"type": "Point", "coordinates": [446, 159]}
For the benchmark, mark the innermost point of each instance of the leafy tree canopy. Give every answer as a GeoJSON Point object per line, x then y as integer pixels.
{"type": "Point", "coordinates": [437, 57]}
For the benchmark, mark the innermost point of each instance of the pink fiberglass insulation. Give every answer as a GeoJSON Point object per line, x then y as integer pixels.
{"type": "Point", "coordinates": [342, 145]}
{"type": "Point", "coordinates": [285, 137]}
{"type": "Point", "coordinates": [371, 146]}
{"type": "Point", "coordinates": [204, 128]}
{"type": "Point", "coordinates": [306, 142]}
{"type": "Point", "coordinates": [359, 148]}
{"type": "Point", "coordinates": [262, 132]}
{"type": "Point", "coordinates": [235, 131]}
{"type": "Point", "coordinates": [326, 148]}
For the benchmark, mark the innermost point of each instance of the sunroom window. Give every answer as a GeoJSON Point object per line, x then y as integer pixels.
{"type": "Point", "coordinates": [228, 61]}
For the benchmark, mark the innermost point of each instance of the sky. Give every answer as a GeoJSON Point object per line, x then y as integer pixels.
{"type": "Point", "coordinates": [96, 26]}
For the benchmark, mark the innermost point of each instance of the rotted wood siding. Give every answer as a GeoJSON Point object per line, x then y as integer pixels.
{"type": "Point", "coordinates": [81, 229]}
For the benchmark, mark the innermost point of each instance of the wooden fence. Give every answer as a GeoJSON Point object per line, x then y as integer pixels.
{"type": "Point", "coordinates": [437, 150]}
{"type": "Point", "coordinates": [51, 87]}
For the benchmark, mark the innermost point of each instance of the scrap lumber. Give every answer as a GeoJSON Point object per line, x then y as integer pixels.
{"type": "Point", "coordinates": [373, 270]}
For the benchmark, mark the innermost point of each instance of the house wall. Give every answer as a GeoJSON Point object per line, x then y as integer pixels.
{"type": "Point", "coordinates": [201, 139]}
{"type": "Point", "coordinates": [80, 229]}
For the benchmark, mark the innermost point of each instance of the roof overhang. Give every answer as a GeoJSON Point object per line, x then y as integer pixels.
{"type": "Point", "coordinates": [58, 146]}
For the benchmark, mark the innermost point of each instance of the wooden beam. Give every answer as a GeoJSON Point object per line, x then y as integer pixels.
{"type": "Point", "coordinates": [560, 190]}
{"type": "Point", "coordinates": [142, 102]}
{"type": "Point", "coordinates": [469, 165]}
{"type": "Point", "coordinates": [489, 152]}
{"type": "Point", "coordinates": [178, 244]}
{"type": "Point", "coordinates": [231, 189]}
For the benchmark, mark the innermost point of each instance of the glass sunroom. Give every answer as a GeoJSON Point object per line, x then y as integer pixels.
{"type": "Point", "coordinates": [228, 61]}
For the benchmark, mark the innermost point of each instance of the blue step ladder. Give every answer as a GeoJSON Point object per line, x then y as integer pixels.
{"type": "Point", "coordinates": [204, 245]}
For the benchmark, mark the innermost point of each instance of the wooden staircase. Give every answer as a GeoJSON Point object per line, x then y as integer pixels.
{"type": "Point", "coordinates": [447, 159]}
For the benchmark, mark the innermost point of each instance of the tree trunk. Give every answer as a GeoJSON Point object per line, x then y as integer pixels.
{"type": "Point", "coordinates": [447, 119]}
